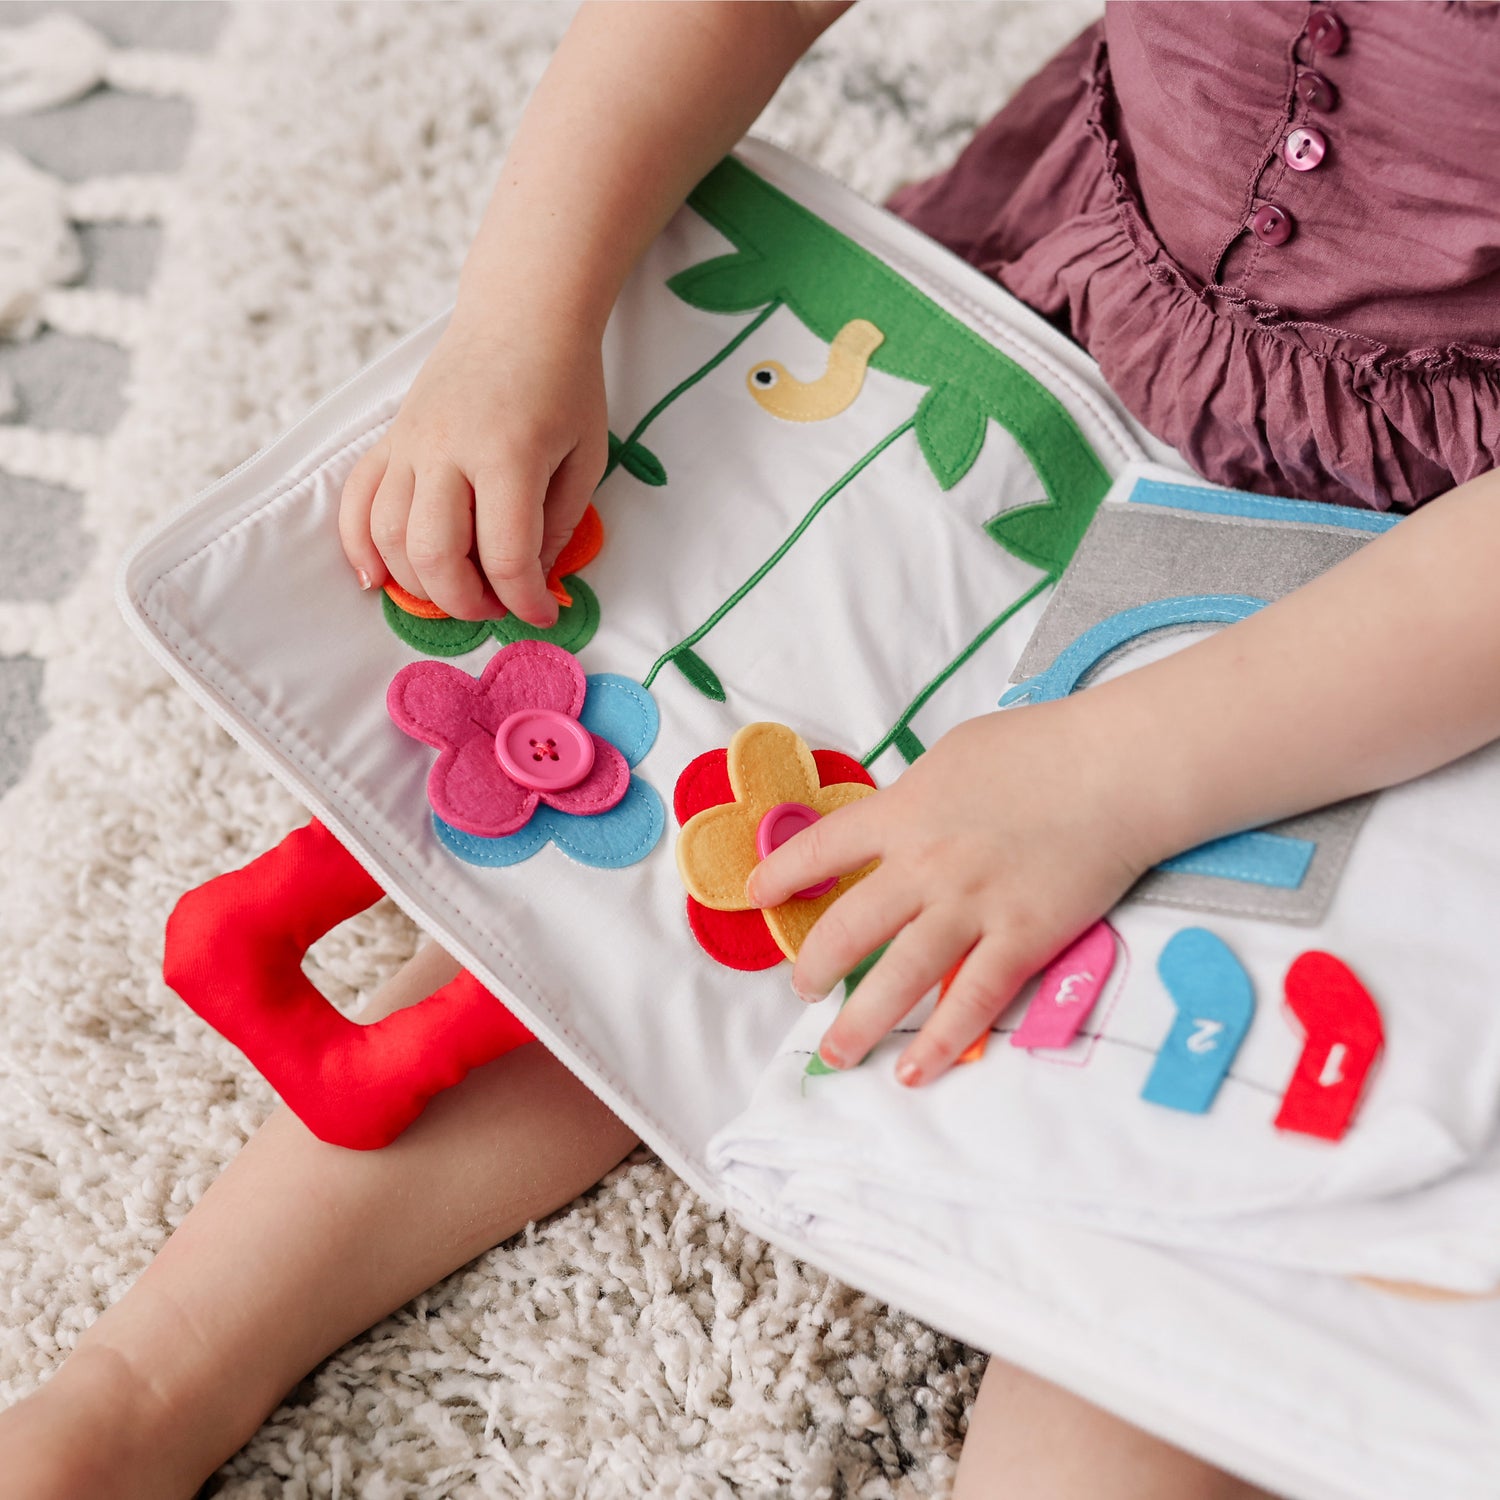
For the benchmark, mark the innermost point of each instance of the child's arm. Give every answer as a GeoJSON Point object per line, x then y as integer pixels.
{"type": "Point", "coordinates": [1020, 828]}
{"type": "Point", "coordinates": [502, 438]}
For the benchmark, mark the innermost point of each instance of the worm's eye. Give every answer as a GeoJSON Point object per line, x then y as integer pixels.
{"type": "Point", "coordinates": [764, 377]}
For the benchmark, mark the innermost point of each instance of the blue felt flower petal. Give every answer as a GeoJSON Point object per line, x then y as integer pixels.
{"type": "Point", "coordinates": [622, 712]}
{"type": "Point", "coordinates": [510, 850]}
{"type": "Point", "coordinates": [624, 835]}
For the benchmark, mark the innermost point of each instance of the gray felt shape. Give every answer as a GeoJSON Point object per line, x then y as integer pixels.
{"type": "Point", "coordinates": [45, 547]}
{"type": "Point", "coordinates": [1135, 554]}
{"type": "Point", "coordinates": [22, 717]}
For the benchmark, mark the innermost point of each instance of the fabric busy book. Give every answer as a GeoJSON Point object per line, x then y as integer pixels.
{"type": "Point", "coordinates": [857, 494]}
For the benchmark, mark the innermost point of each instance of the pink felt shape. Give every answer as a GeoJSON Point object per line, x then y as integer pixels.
{"type": "Point", "coordinates": [459, 715]}
{"type": "Point", "coordinates": [1070, 988]}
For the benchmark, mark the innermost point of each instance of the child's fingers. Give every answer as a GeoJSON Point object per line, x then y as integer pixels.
{"type": "Point", "coordinates": [918, 957]}
{"type": "Point", "coordinates": [354, 515]}
{"type": "Point", "coordinates": [568, 496]}
{"type": "Point", "coordinates": [439, 532]}
{"type": "Point", "coordinates": [389, 515]}
{"type": "Point", "coordinates": [983, 987]}
{"type": "Point", "coordinates": [508, 527]}
{"type": "Point", "coordinates": [845, 840]}
{"type": "Point", "coordinates": [863, 918]}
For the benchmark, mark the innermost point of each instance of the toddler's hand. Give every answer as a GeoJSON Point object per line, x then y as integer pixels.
{"type": "Point", "coordinates": [489, 465]}
{"type": "Point", "coordinates": [998, 847]}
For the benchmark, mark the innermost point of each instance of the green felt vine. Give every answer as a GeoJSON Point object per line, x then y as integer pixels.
{"type": "Point", "coordinates": [698, 672]}
{"type": "Point", "coordinates": [629, 454]}
{"type": "Point", "coordinates": [575, 627]}
{"type": "Point", "coordinates": [901, 734]}
{"type": "Point", "coordinates": [785, 255]}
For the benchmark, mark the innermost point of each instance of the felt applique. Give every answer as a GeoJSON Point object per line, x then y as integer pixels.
{"type": "Point", "coordinates": [234, 953]}
{"type": "Point", "coordinates": [1178, 556]}
{"type": "Point", "coordinates": [1344, 1037]}
{"type": "Point", "coordinates": [1070, 988]}
{"type": "Point", "coordinates": [1215, 1005]}
{"type": "Point", "coordinates": [615, 710]}
{"type": "Point", "coordinates": [421, 624]}
{"type": "Point", "coordinates": [522, 760]}
{"type": "Point", "coordinates": [785, 256]}
{"type": "Point", "coordinates": [766, 768]}
{"type": "Point", "coordinates": [782, 395]}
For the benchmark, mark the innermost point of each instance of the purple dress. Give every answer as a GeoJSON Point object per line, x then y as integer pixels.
{"type": "Point", "coordinates": [1276, 226]}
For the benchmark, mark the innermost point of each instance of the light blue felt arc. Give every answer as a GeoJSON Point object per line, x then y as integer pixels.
{"type": "Point", "coordinates": [623, 835]}
{"type": "Point", "coordinates": [1101, 641]}
{"type": "Point", "coordinates": [1273, 859]}
{"type": "Point", "coordinates": [622, 712]}
{"type": "Point", "coordinates": [1215, 1005]}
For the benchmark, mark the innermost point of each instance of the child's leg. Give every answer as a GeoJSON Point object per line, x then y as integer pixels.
{"type": "Point", "coordinates": [1031, 1440]}
{"type": "Point", "coordinates": [297, 1248]}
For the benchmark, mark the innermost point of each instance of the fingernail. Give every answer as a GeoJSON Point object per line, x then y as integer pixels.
{"type": "Point", "coordinates": [365, 581]}
{"type": "Point", "coordinates": [806, 995]}
{"type": "Point", "coordinates": [908, 1072]}
{"type": "Point", "coordinates": [831, 1055]}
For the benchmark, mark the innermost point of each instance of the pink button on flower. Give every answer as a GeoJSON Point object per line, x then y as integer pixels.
{"type": "Point", "coordinates": [784, 821]}
{"type": "Point", "coordinates": [509, 739]}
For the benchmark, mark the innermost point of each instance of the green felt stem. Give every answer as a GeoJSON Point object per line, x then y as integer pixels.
{"type": "Point", "coordinates": [844, 479]}
{"type": "Point", "coordinates": [629, 441]}
{"type": "Point", "coordinates": [900, 733]}
{"type": "Point", "coordinates": [785, 255]}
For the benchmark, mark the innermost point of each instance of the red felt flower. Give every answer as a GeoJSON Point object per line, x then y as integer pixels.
{"type": "Point", "coordinates": [741, 939]}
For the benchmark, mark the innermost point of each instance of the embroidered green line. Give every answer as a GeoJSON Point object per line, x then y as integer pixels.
{"type": "Point", "coordinates": [686, 385]}
{"type": "Point", "coordinates": [900, 733]}
{"type": "Point", "coordinates": [844, 479]}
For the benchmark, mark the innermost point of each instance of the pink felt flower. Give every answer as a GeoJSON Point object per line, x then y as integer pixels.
{"type": "Point", "coordinates": [488, 782]}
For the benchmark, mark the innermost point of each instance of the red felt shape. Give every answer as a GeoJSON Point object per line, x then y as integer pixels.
{"type": "Point", "coordinates": [443, 706]}
{"type": "Point", "coordinates": [740, 939]}
{"type": "Point", "coordinates": [234, 954]}
{"type": "Point", "coordinates": [1344, 1037]}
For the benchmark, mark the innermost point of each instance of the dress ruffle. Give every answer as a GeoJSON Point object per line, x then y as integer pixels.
{"type": "Point", "coordinates": [1251, 395]}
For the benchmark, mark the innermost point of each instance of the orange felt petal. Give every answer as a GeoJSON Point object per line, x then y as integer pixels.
{"type": "Point", "coordinates": [769, 763]}
{"type": "Point", "coordinates": [423, 609]}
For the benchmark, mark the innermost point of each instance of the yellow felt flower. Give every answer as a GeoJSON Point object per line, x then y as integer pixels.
{"type": "Point", "coordinates": [768, 765]}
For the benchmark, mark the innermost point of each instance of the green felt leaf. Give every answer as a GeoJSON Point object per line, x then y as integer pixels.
{"type": "Point", "coordinates": [728, 283]}
{"type": "Point", "coordinates": [786, 253]}
{"type": "Point", "coordinates": [908, 744]}
{"type": "Point", "coordinates": [639, 460]}
{"type": "Point", "coordinates": [576, 622]}
{"type": "Point", "coordinates": [950, 428]}
{"type": "Point", "coordinates": [699, 673]}
{"type": "Point", "coordinates": [435, 637]}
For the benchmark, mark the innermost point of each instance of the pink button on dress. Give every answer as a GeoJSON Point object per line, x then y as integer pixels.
{"type": "Point", "coordinates": [1332, 334]}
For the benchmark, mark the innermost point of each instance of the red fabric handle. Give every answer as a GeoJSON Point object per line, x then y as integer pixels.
{"type": "Point", "coordinates": [234, 953]}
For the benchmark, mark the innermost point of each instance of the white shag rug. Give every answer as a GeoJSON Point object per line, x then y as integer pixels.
{"type": "Point", "coordinates": [342, 156]}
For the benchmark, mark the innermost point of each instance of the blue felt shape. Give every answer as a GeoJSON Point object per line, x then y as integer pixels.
{"type": "Point", "coordinates": [622, 712]}
{"type": "Point", "coordinates": [1215, 1006]}
{"type": "Point", "coordinates": [1260, 858]}
{"type": "Point", "coordinates": [625, 714]}
{"type": "Point", "coordinates": [624, 835]}
{"type": "Point", "coordinates": [1257, 507]}
{"type": "Point", "coordinates": [1119, 630]}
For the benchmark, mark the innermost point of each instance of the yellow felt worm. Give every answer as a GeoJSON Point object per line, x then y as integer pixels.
{"type": "Point", "coordinates": [794, 400]}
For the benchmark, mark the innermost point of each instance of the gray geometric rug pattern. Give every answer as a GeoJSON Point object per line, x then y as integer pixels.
{"type": "Point", "coordinates": [59, 381]}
